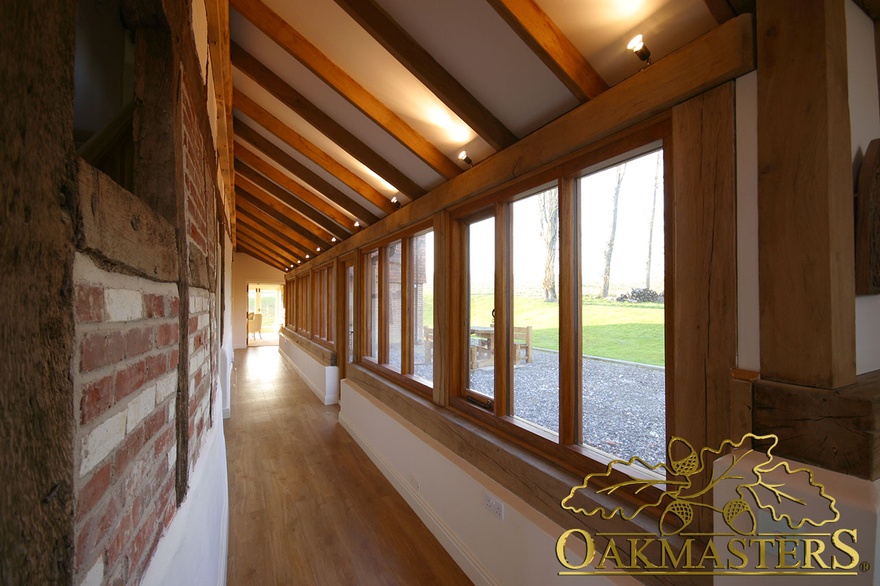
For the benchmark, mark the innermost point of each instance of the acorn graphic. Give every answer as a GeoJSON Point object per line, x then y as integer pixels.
{"type": "Point", "coordinates": [739, 516]}
{"type": "Point", "coordinates": [677, 509]}
{"type": "Point", "coordinates": [687, 465]}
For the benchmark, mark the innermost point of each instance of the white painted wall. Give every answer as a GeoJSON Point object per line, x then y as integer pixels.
{"type": "Point", "coordinates": [226, 350]}
{"type": "Point", "coordinates": [855, 499]}
{"type": "Point", "coordinates": [450, 500]}
{"type": "Point", "coordinates": [864, 112]}
{"type": "Point", "coordinates": [748, 303]}
{"type": "Point", "coordinates": [323, 380]}
{"type": "Point", "coordinates": [194, 548]}
{"type": "Point", "coordinates": [246, 269]}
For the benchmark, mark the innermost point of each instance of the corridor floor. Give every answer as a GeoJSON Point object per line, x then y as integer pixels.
{"type": "Point", "coordinates": [306, 504]}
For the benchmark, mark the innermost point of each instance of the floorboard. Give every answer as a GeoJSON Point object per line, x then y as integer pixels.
{"type": "Point", "coordinates": [306, 504]}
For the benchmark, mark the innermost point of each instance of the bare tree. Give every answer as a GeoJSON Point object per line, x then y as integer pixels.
{"type": "Point", "coordinates": [550, 233]}
{"type": "Point", "coordinates": [609, 248]}
{"type": "Point", "coordinates": [651, 222]}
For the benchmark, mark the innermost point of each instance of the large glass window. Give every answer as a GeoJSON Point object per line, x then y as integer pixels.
{"type": "Point", "coordinates": [535, 323]}
{"type": "Point", "coordinates": [422, 272]}
{"type": "Point", "coordinates": [622, 305]}
{"type": "Point", "coordinates": [394, 307]}
{"type": "Point", "coordinates": [399, 284]}
{"type": "Point", "coordinates": [481, 307]}
{"type": "Point", "coordinates": [371, 270]}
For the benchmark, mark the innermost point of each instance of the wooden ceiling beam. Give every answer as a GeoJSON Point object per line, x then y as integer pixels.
{"type": "Point", "coordinates": [248, 240]}
{"type": "Point", "coordinates": [255, 233]}
{"type": "Point", "coordinates": [253, 160]}
{"type": "Point", "coordinates": [245, 205]}
{"type": "Point", "coordinates": [243, 248]}
{"type": "Point", "coordinates": [269, 226]}
{"type": "Point", "coordinates": [250, 66]}
{"type": "Point", "coordinates": [264, 118]}
{"type": "Point", "coordinates": [319, 224]}
{"type": "Point", "coordinates": [324, 187]}
{"type": "Point", "coordinates": [279, 211]}
{"type": "Point", "coordinates": [376, 21]}
{"type": "Point", "coordinates": [218, 46]}
{"type": "Point", "coordinates": [549, 43]}
{"type": "Point", "coordinates": [277, 29]}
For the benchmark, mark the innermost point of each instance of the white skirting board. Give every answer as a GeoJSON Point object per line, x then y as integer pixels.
{"type": "Point", "coordinates": [323, 380]}
{"type": "Point", "coordinates": [465, 559]}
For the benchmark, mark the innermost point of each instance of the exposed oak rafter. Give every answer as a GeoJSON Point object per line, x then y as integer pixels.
{"type": "Point", "coordinates": [250, 251]}
{"type": "Point", "coordinates": [253, 160]}
{"type": "Point", "coordinates": [278, 246]}
{"type": "Point", "coordinates": [306, 53]}
{"type": "Point", "coordinates": [310, 218]}
{"type": "Point", "coordinates": [325, 188]}
{"type": "Point", "coordinates": [250, 66]}
{"type": "Point", "coordinates": [294, 220]}
{"type": "Point", "coordinates": [263, 216]}
{"type": "Point", "coordinates": [421, 64]}
{"type": "Point", "coordinates": [271, 228]}
{"type": "Point", "coordinates": [557, 52]}
{"type": "Point", "coordinates": [264, 118]}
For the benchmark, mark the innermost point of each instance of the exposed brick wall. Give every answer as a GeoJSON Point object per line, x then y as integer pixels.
{"type": "Point", "coordinates": [125, 381]}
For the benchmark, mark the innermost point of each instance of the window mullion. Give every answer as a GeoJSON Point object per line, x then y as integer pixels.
{"type": "Point", "coordinates": [570, 339]}
{"type": "Point", "coordinates": [503, 310]}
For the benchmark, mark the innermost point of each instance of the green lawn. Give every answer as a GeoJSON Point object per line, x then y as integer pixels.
{"type": "Point", "coordinates": [623, 331]}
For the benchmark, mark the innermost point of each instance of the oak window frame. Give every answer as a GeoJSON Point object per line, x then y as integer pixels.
{"type": "Point", "coordinates": [497, 412]}
{"type": "Point", "coordinates": [381, 366]}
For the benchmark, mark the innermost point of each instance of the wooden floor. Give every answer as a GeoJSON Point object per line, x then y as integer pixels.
{"type": "Point", "coordinates": [306, 504]}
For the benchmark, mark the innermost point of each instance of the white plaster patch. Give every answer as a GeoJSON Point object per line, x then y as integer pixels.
{"type": "Point", "coordinates": [123, 304]}
{"type": "Point", "coordinates": [172, 410]}
{"type": "Point", "coordinates": [204, 320]}
{"type": "Point", "coordinates": [172, 457]}
{"type": "Point", "coordinates": [197, 359]}
{"type": "Point", "coordinates": [101, 441]}
{"type": "Point", "coordinates": [85, 271]}
{"type": "Point", "coordinates": [95, 577]}
{"type": "Point", "coordinates": [140, 407]}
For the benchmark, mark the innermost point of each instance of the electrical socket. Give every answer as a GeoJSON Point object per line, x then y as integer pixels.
{"type": "Point", "coordinates": [415, 484]}
{"type": "Point", "coordinates": [495, 506]}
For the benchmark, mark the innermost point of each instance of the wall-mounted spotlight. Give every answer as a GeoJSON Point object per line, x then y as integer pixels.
{"type": "Point", "coordinates": [299, 262]}
{"type": "Point", "coordinates": [308, 256]}
{"type": "Point", "coordinates": [637, 46]}
{"type": "Point", "coordinates": [357, 224]}
{"type": "Point", "coordinates": [396, 202]}
{"type": "Point", "coordinates": [333, 239]}
{"type": "Point", "coordinates": [319, 249]}
{"type": "Point", "coordinates": [464, 158]}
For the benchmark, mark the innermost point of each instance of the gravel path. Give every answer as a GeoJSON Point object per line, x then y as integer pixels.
{"type": "Point", "coordinates": [624, 403]}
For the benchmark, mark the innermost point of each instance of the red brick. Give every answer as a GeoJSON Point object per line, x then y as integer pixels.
{"type": "Point", "coordinates": [193, 325]}
{"type": "Point", "coordinates": [155, 366]}
{"type": "Point", "coordinates": [154, 305]}
{"type": "Point", "coordinates": [100, 349]}
{"type": "Point", "coordinates": [120, 539]}
{"type": "Point", "coordinates": [96, 399]}
{"type": "Point", "coordinates": [173, 307]}
{"type": "Point", "coordinates": [93, 490]}
{"type": "Point", "coordinates": [164, 442]}
{"type": "Point", "coordinates": [167, 334]}
{"type": "Point", "coordinates": [141, 544]}
{"type": "Point", "coordinates": [128, 451]}
{"type": "Point", "coordinates": [129, 380]}
{"type": "Point", "coordinates": [153, 424]}
{"type": "Point", "coordinates": [89, 303]}
{"type": "Point", "coordinates": [138, 341]}
{"type": "Point", "coordinates": [173, 359]}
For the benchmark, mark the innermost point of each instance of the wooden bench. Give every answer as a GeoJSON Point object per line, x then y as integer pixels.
{"type": "Point", "coordinates": [522, 345]}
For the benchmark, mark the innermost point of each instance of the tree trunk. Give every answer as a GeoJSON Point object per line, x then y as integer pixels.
{"type": "Point", "coordinates": [651, 222]}
{"type": "Point", "coordinates": [550, 232]}
{"type": "Point", "coordinates": [609, 248]}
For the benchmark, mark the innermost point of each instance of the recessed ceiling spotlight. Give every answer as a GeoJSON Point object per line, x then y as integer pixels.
{"type": "Point", "coordinates": [637, 46]}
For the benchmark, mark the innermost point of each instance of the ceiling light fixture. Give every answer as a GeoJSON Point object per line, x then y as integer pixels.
{"type": "Point", "coordinates": [333, 239]}
{"type": "Point", "coordinates": [463, 157]}
{"type": "Point", "coordinates": [308, 256]}
{"type": "Point", "coordinates": [637, 46]}
{"type": "Point", "coordinates": [357, 224]}
{"type": "Point", "coordinates": [396, 202]}
{"type": "Point", "coordinates": [319, 249]}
